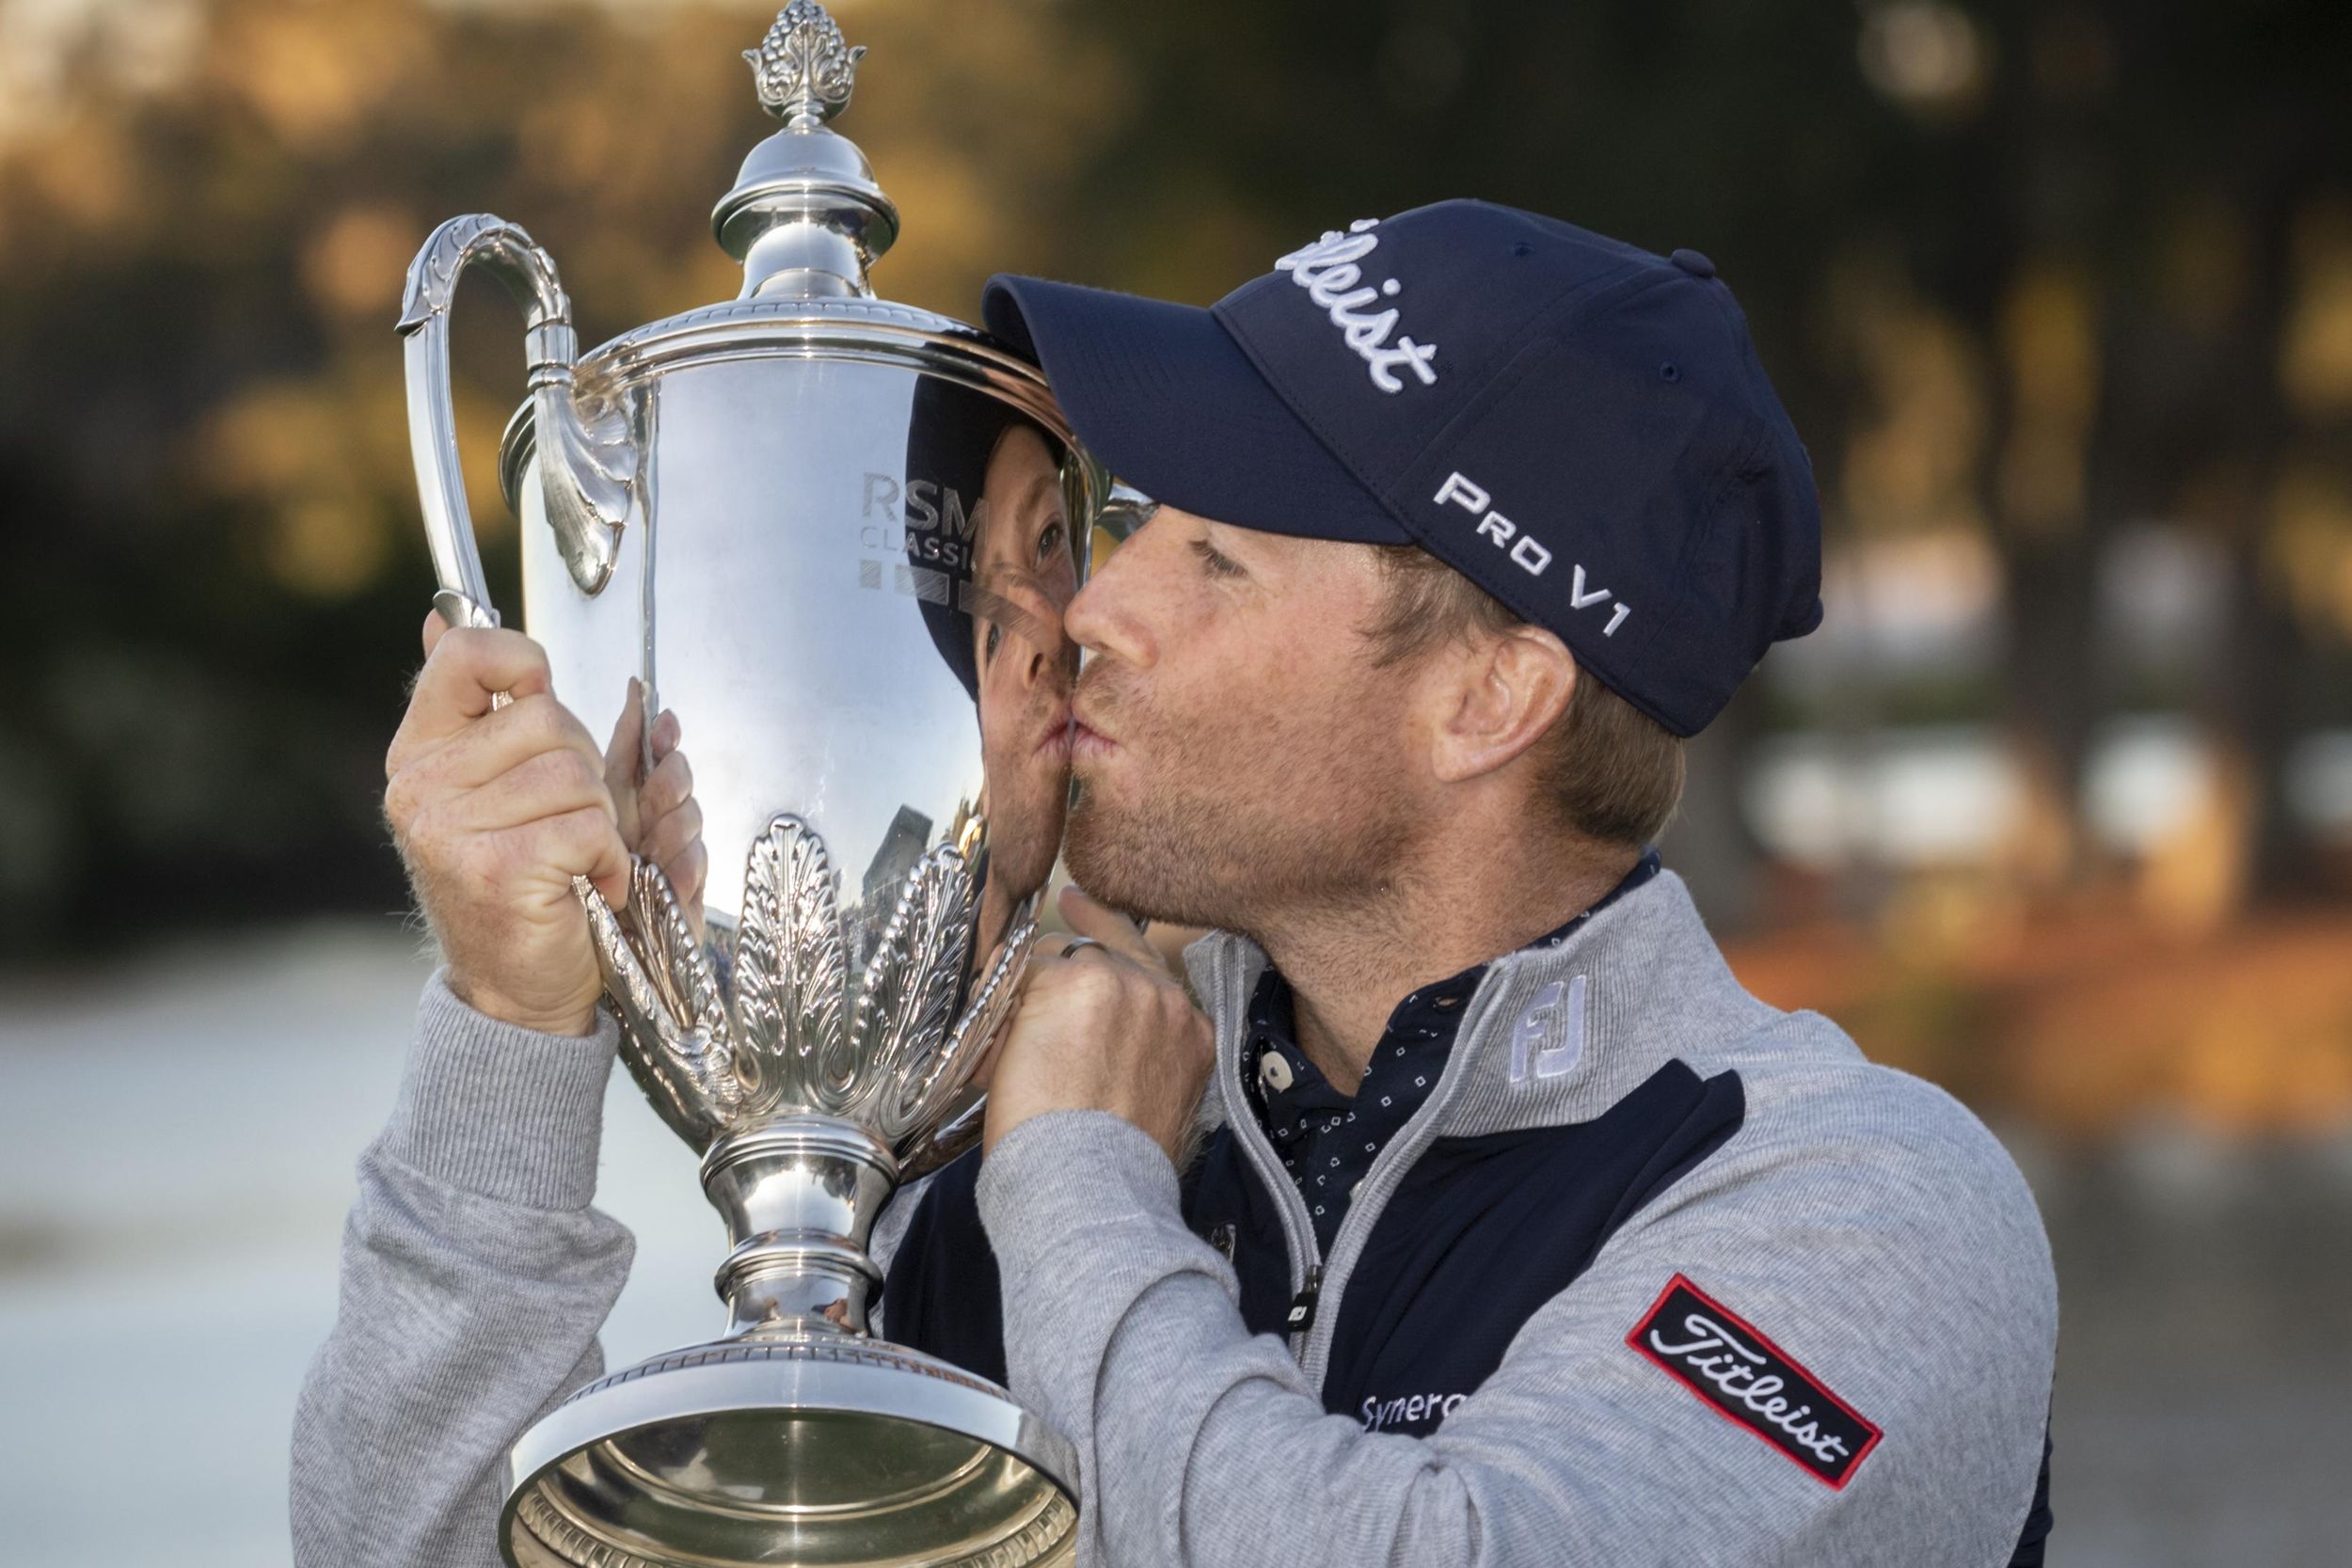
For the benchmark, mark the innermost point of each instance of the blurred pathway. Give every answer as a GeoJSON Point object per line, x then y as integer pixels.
{"type": "Point", "coordinates": [176, 1141]}
{"type": "Point", "coordinates": [175, 1150]}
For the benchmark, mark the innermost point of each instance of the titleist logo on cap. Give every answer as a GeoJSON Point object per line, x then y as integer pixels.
{"type": "Point", "coordinates": [1330, 273]}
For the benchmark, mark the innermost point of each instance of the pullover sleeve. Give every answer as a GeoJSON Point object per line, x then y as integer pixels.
{"type": "Point", "coordinates": [1906, 1276]}
{"type": "Point", "coordinates": [474, 1279]}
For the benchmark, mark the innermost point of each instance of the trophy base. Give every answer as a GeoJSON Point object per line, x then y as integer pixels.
{"type": "Point", "coordinates": [814, 1449]}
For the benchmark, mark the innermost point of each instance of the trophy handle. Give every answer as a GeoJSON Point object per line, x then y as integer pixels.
{"type": "Point", "coordinates": [588, 463]}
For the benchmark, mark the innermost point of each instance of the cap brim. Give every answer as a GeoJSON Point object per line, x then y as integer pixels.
{"type": "Point", "coordinates": [1167, 402]}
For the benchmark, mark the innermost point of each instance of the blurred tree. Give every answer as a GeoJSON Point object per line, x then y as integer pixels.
{"type": "Point", "coordinates": [203, 430]}
{"type": "Point", "coordinates": [2152, 165]}
{"type": "Point", "coordinates": [2022, 272]}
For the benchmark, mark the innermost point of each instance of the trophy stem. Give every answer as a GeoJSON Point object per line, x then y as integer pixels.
{"type": "Point", "coordinates": [800, 1193]}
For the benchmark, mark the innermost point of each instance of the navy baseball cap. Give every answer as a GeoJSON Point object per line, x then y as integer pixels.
{"type": "Point", "coordinates": [1578, 427]}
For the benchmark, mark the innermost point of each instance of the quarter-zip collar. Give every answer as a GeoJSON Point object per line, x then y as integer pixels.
{"type": "Point", "coordinates": [1327, 1140]}
{"type": "Point", "coordinates": [1553, 1036]}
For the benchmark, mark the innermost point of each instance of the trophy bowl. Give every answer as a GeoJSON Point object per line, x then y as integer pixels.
{"type": "Point", "coordinates": [834, 536]}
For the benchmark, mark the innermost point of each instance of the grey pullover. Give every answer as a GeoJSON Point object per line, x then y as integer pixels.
{"type": "Point", "coordinates": [1828, 1342]}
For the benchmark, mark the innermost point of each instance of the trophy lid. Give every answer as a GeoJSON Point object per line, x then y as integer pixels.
{"type": "Point", "coordinates": [805, 217]}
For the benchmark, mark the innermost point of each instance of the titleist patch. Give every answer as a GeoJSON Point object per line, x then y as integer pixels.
{"type": "Point", "coordinates": [1721, 1358]}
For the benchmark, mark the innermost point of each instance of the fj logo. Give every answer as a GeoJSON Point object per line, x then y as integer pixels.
{"type": "Point", "coordinates": [1525, 552]}
{"type": "Point", "coordinates": [1551, 1034]}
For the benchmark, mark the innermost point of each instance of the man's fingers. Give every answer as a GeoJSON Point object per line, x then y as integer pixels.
{"type": "Point", "coordinates": [496, 743]}
{"type": "Point", "coordinates": [672, 833]}
{"type": "Point", "coordinates": [1090, 917]}
{"type": "Point", "coordinates": [472, 664]}
{"type": "Point", "coordinates": [584, 843]}
{"type": "Point", "coordinates": [624, 753]}
{"type": "Point", "coordinates": [550, 785]}
{"type": "Point", "coordinates": [434, 628]}
{"type": "Point", "coordinates": [688, 870]}
{"type": "Point", "coordinates": [670, 785]}
{"type": "Point", "coordinates": [468, 666]}
{"type": "Point", "coordinates": [666, 733]}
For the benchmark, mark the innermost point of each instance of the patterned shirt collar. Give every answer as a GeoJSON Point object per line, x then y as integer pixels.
{"type": "Point", "coordinates": [1327, 1140]}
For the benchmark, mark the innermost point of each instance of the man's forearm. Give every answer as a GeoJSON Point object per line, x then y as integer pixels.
{"type": "Point", "coordinates": [1120, 1330]}
{"type": "Point", "coordinates": [476, 1276]}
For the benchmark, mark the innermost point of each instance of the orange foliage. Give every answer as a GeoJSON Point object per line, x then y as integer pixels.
{"type": "Point", "coordinates": [2089, 1023]}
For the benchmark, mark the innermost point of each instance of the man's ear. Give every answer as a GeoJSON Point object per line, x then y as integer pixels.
{"type": "Point", "coordinates": [1500, 695]}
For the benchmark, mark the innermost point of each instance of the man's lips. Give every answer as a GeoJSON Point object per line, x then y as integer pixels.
{"type": "Point", "coordinates": [1054, 739]}
{"type": "Point", "coordinates": [1087, 743]}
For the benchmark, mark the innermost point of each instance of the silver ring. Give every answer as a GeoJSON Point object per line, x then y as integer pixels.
{"type": "Point", "coordinates": [1076, 943]}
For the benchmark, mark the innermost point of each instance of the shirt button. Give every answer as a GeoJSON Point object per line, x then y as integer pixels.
{"type": "Point", "coordinates": [1274, 1073]}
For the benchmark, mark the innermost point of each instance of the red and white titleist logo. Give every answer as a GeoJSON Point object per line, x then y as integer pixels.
{"type": "Point", "coordinates": [1725, 1362]}
{"type": "Point", "coordinates": [1716, 1354]}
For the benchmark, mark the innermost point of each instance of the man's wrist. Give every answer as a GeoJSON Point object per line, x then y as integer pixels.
{"type": "Point", "coordinates": [491, 1004]}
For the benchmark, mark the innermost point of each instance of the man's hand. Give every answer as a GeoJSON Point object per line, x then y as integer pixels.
{"type": "Point", "coordinates": [495, 810]}
{"type": "Point", "coordinates": [1105, 1028]}
{"type": "Point", "coordinates": [659, 819]}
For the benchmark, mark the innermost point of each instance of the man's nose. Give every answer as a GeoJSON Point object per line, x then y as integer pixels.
{"type": "Point", "coordinates": [1103, 617]}
{"type": "Point", "coordinates": [1037, 657]}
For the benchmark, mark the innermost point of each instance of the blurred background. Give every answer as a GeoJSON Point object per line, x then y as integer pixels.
{"type": "Point", "coordinates": [2056, 809]}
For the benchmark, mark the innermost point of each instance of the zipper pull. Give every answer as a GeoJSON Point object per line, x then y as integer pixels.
{"type": "Point", "coordinates": [1302, 1316]}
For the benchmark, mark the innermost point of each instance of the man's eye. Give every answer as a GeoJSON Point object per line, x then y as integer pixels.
{"type": "Point", "coordinates": [1215, 562]}
{"type": "Point", "coordinates": [1049, 541]}
{"type": "Point", "coordinates": [995, 635]}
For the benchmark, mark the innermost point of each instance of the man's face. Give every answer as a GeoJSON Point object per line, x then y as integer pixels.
{"type": "Point", "coordinates": [1238, 753]}
{"type": "Point", "coordinates": [1025, 573]}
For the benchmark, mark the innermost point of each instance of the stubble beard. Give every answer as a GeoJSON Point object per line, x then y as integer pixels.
{"type": "Point", "coordinates": [1237, 836]}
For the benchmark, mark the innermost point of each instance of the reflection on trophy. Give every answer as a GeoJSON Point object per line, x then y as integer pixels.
{"type": "Point", "coordinates": [835, 536]}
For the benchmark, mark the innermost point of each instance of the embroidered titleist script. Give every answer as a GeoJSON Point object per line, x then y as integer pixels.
{"type": "Point", "coordinates": [1709, 1351]}
{"type": "Point", "coordinates": [1327, 270]}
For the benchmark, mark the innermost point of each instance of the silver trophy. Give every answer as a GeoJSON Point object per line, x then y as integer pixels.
{"type": "Point", "coordinates": [835, 536]}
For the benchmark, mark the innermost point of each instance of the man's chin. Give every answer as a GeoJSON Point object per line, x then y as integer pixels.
{"type": "Point", "coordinates": [1147, 875]}
{"type": "Point", "coordinates": [1090, 849]}
{"type": "Point", "coordinates": [1117, 864]}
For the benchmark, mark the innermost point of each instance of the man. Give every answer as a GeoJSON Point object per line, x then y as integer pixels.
{"type": "Point", "coordinates": [996, 624]}
{"type": "Point", "coordinates": [1523, 1235]}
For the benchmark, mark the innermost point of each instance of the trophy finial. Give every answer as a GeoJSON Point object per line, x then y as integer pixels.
{"type": "Point", "coordinates": [805, 217]}
{"type": "Point", "coordinates": [804, 70]}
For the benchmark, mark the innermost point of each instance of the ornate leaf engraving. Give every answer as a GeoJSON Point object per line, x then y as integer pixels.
{"type": "Point", "coordinates": [680, 968]}
{"type": "Point", "coordinates": [792, 974]}
{"type": "Point", "coordinates": [794, 1036]}
{"type": "Point", "coordinates": [923, 1089]}
{"type": "Point", "coordinates": [907, 999]}
{"type": "Point", "coordinates": [588, 463]}
{"type": "Point", "coordinates": [433, 276]}
{"type": "Point", "coordinates": [673, 1034]}
{"type": "Point", "coordinates": [804, 67]}
{"type": "Point", "coordinates": [512, 257]}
